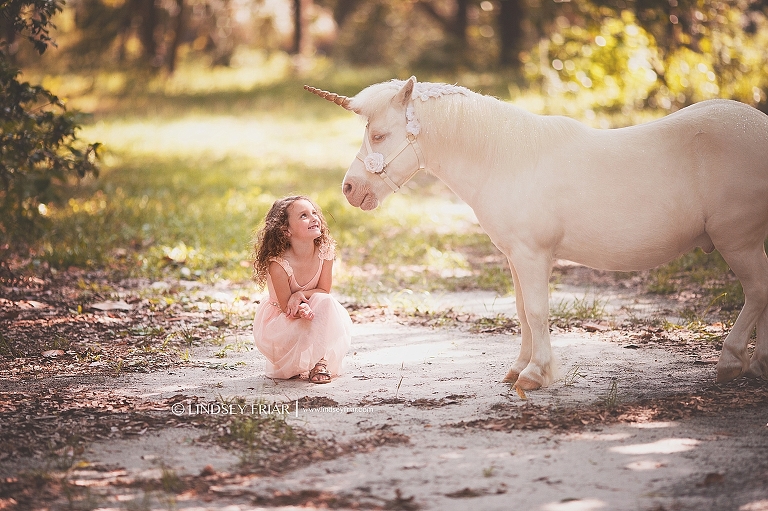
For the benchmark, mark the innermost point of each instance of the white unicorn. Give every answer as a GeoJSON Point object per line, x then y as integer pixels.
{"type": "Point", "coordinates": [546, 188]}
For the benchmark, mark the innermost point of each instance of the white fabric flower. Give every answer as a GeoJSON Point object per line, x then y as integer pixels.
{"type": "Point", "coordinates": [374, 163]}
{"type": "Point", "coordinates": [413, 127]}
{"type": "Point", "coordinates": [328, 251]}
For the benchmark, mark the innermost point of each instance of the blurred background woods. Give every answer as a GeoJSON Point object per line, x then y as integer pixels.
{"type": "Point", "coordinates": [668, 53]}
{"type": "Point", "coordinates": [204, 122]}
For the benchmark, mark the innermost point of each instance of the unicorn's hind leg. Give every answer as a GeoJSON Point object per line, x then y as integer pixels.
{"type": "Point", "coordinates": [525, 333]}
{"type": "Point", "coordinates": [751, 267]}
{"type": "Point", "coordinates": [758, 364]}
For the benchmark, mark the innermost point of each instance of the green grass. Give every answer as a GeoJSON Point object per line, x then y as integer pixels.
{"type": "Point", "coordinates": [187, 177]}
{"type": "Point", "coordinates": [565, 312]}
{"type": "Point", "coordinates": [707, 275]}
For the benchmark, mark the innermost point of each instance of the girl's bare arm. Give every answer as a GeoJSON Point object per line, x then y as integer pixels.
{"type": "Point", "coordinates": [323, 286]}
{"type": "Point", "coordinates": [281, 284]}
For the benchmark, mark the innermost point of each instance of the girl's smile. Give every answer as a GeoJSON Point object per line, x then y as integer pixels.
{"type": "Point", "coordinates": [303, 220]}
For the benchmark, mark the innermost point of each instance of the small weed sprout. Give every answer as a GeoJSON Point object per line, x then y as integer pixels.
{"type": "Point", "coordinates": [219, 340]}
{"type": "Point", "coordinates": [662, 282]}
{"type": "Point", "coordinates": [581, 309]}
{"type": "Point", "coordinates": [222, 353]}
{"type": "Point", "coordinates": [256, 436]}
{"type": "Point", "coordinates": [186, 334]}
{"type": "Point", "coordinates": [397, 390]}
{"type": "Point", "coordinates": [142, 504]}
{"type": "Point", "coordinates": [76, 497]}
{"type": "Point", "coordinates": [242, 345]}
{"type": "Point", "coordinates": [611, 399]}
{"type": "Point", "coordinates": [91, 354]}
{"type": "Point", "coordinates": [7, 348]}
{"type": "Point", "coordinates": [232, 314]}
{"type": "Point", "coordinates": [170, 481]}
{"type": "Point", "coordinates": [58, 343]}
{"type": "Point", "coordinates": [572, 375]}
{"type": "Point", "coordinates": [494, 324]}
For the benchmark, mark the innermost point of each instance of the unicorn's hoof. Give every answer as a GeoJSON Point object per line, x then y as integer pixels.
{"type": "Point", "coordinates": [756, 370]}
{"type": "Point", "coordinates": [726, 373]}
{"type": "Point", "coordinates": [527, 384]}
{"type": "Point", "coordinates": [729, 367]}
{"type": "Point", "coordinates": [511, 377]}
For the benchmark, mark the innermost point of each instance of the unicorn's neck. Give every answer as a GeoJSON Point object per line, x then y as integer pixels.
{"type": "Point", "coordinates": [468, 137]}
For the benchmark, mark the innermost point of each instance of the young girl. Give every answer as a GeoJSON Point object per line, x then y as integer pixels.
{"type": "Point", "coordinates": [301, 327]}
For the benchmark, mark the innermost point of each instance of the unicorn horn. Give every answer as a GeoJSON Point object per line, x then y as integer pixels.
{"type": "Point", "coordinates": [330, 96]}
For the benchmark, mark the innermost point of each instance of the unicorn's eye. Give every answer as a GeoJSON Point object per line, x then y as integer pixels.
{"type": "Point", "coordinates": [378, 138]}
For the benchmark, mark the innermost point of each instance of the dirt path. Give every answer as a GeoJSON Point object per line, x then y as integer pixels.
{"type": "Point", "coordinates": [419, 421]}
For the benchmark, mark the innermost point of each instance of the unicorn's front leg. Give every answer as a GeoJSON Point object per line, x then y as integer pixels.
{"type": "Point", "coordinates": [533, 276]}
{"type": "Point", "coordinates": [525, 333]}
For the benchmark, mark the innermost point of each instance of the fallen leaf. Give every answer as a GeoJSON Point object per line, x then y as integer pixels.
{"type": "Point", "coordinates": [713, 478]}
{"type": "Point", "coordinates": [52, 353]}
{"type": "Point", "coordinates": [465, 493]}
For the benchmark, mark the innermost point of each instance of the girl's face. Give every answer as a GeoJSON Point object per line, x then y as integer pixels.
{"type": "Point", "coordinates": [303, 221]}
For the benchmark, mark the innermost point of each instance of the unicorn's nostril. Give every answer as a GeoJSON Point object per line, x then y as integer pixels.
{"type": "Point", "coordinates": [347, 188]}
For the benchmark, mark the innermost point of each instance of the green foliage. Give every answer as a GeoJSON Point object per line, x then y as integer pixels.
{"type": "Point", "coordinates": [30, 18]}
{"type": "Point", "coordinates": [611, 62]}
{"type": "Point", "coordinates": [38, 146]}
{"type": "Point", "coordinates": [661, 282]}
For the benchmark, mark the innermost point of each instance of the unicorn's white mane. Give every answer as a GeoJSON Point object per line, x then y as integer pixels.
{"type": "Point", "coordinates": [378, 95]}
{"type": "Point", "coordinates": [426, 90]}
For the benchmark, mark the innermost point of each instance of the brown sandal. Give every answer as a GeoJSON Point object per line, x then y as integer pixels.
{"type": "Point", "coordinates": [320, 374]}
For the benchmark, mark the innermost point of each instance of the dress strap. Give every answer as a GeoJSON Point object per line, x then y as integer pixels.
{"type": "Point", "coordinates": [282, 262]}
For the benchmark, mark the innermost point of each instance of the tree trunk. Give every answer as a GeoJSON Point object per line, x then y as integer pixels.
{"type": "Point", "coordinates": [461, 22]}
{"type": "Point", "coordinates": [511, 16]}
{"type": "Point", "coordinates": [302, 38]}
{"type": "Point", "coordinates": [343, 9]}
{"type": "Point", "coordinates": [455, 26]}
{"type": "Point", "coordinates": [181, 21]}
{"type": "Point", "coordinates": [297, 27]}
{"type": "Point", "coordinates": [147, 29]}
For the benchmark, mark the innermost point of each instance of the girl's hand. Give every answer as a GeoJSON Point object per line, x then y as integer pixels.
{"type": "Point", "coordinates": [294, 302]}
{"type": "Point", "coordinates": [305, 312]}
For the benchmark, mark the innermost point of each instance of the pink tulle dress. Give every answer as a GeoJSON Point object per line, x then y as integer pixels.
{"type": "Point", "coordinates": [294, 345]}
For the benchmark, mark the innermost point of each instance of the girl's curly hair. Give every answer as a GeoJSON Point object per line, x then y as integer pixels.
{"type": "Point", "coordinates": [271, 241]}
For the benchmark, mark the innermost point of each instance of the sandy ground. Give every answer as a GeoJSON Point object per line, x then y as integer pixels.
{"type": "Point", "coordinates": [421, 382]}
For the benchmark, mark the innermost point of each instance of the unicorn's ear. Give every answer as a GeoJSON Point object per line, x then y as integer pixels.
{"type": "Point", "coordinates": [404, 94]}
